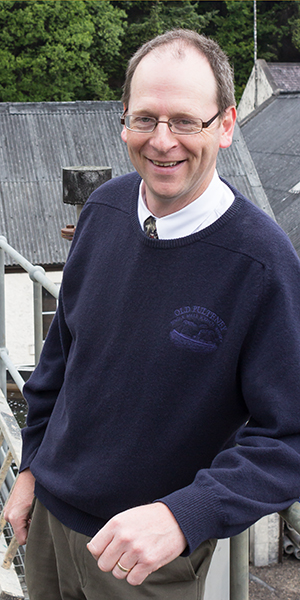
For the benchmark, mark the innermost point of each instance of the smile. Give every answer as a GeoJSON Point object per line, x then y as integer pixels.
{"type": "Point", "coordinates": [166, 164]}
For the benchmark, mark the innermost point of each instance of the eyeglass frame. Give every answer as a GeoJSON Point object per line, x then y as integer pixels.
{"type": "Point", "coordinates": [205, 124]}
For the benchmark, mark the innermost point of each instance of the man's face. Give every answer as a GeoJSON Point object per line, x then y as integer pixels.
{"type": "Point", "coordinates": [176, 168]}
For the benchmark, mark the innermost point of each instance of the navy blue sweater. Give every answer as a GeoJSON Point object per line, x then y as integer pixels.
{"type": "Point", "coordinates": [160, 351]}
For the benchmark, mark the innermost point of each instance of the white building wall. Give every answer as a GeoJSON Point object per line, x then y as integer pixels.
{"type": "Point", "coordinates": [264, 91]}
{"type": "Point", "coordinates": [19, 316]}
{"type": "Point", "coordinates": [264, 541]}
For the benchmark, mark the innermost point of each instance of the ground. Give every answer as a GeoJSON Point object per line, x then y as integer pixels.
{"type": "Point", "coordinates": [276, 582]}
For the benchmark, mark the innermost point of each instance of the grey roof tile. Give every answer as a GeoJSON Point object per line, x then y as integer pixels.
{"type": "Point", "coordinates": [286, 76]}
{"type": "Point", "coordinates": [272, 135]}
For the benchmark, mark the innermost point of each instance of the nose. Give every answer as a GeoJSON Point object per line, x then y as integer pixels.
{"type": "Point", "coordinates": [162, 139]}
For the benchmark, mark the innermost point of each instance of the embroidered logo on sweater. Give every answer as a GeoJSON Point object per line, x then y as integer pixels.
{"type": "Point", "coordinates": [198, 329]}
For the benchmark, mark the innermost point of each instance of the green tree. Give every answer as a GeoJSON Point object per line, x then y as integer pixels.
{"type": "Point", "coordinates": [295, 25]}
{"type": "Point", "coordinates": [47, 49]}
{"type": "Point", "coordinates": [78, 50]}
{"type": "Point", "coordinates": [230, 22]}
{"type": "Point", "coordinates": [146, 19]}
{"type": "Point", "coordinates": [233, 29]}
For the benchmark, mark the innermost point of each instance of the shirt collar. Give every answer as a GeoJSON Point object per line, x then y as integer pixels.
{"type": "Point", "coordinates": [200, 213]}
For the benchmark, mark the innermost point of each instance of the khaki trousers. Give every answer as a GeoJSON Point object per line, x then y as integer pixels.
{"type": "Point", "coordinates": [59, 567]}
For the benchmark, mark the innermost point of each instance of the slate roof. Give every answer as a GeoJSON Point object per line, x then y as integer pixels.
{"type": "Point", "coordinates": [38, 139]}
{"type": "Point", "coordinates": [286, 76]}
{"type": "Point", "coordinates": [272, 134]}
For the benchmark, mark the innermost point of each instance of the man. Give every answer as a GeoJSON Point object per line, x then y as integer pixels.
{"type": "Point", "coordinates": [166, 343]}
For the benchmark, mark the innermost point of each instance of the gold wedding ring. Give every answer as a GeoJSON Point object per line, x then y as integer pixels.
{"type": "Point", "coordinates": [122, 568]}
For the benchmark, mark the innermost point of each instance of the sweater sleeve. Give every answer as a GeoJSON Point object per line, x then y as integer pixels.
{"type": "Point", "coordinates": [44, 385]}
{"type": "Point", "coordinates": [259, 475]}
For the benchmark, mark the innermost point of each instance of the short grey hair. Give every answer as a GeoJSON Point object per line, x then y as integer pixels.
{"type": "Point", "coordinates": [181, 38]}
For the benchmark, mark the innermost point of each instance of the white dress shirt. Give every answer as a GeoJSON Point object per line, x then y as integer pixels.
{"type": "Point", "coordinates": [197, 215]}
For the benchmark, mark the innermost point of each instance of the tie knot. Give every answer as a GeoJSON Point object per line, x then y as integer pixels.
{"type": "Point", "coordinates": [150, 228]}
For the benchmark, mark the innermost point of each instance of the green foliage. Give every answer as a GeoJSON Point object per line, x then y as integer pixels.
{"type": "Point", "coordinates": [146, 19]}
{"type": "Point", "coordinates": [230, 22]}
{"type": "Point", "coordinates": [60, 50]}
{"type": "Point", "coordinates": [233, 29]}
{"type": "Point", "coordinates": [295, 25]}
{"type": "Point", "coordinates": [46, 48]}
{"type": "Point", "coordinates": [234, 33]}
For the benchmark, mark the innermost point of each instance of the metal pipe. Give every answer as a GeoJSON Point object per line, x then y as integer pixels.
{"type": "Point", "coordinates": [297, 553]}
{"type": "Point", "coordinates": [38, 320]}
{"type": "Point", "coordinates": [11, 368]}
{"type": "Point", "coordinates": [288, 546]}
{"type": "Point", "coordinates": [293, 536]}
{"type": "Point", "coordinates": [36, 273]}
{"type": "Point", "coordinates": [255, 54]}
{"type": "Point", "coordinates": [3, 384]}
{"type": "Point", "coordinates": [239, 566]}
{"type": "Point", "coordinates": [292, 516]}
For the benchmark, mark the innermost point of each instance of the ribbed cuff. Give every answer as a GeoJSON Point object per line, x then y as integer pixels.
{"type": "Point", "coordinates": [198, 512]}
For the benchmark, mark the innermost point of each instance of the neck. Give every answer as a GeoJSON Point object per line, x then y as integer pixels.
{"type": "Point", "coordinates": [161, 207]}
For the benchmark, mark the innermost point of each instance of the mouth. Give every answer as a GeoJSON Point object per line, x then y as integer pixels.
{"type": "Point", "coordinates": [166, 164]}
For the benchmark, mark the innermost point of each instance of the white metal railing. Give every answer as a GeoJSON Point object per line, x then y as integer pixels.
{"type": "Point", "coordinates": [38, 276]}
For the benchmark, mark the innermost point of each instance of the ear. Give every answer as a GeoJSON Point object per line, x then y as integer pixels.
{"type": "Point", "coordinates": [124, 130]}
{"type": "Point", "coordinates": [227, 127]}
{"type": "Point", "coordinates": [124, 134]}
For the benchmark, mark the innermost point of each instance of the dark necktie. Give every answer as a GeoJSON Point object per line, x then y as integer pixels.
{"type": "Point", "coordinates": [150, 228]}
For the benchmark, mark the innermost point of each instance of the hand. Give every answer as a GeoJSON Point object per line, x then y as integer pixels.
{"type": "Point", "coordinates": [17, 509]}
{"type": "Point", "coordinates": [141, 539]}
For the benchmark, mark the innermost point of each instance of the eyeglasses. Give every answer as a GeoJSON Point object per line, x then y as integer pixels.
{"type": "Point", "coordinates": [179, 125]}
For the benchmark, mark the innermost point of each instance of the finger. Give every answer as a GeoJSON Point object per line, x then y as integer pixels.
{"type": "Point", "coordinates": [138, 574]}
{"type": "Point", "coordinates": [21, 537]}
{"type": "Point", "coordinates": [91, 548]}
{"type": "Point", "coordinates": [123, 567]}
{"type": "Point", "coordinates": [134, 569]}
{"type": "Point", "coordinates": [110, 557]}
{"type": "Point", "coordinates": [21, 534]}
{"type": "Point", "coordinates": [107, 546]}
{"type": "Point", "coordinates": [99, 543]}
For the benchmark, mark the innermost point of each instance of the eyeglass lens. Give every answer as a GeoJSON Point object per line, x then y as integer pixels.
{"type": "Point", "coordinates": [146, 124]}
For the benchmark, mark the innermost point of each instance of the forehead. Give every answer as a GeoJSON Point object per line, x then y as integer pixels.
{"type": "Point", "coordinates": [177, 79]}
